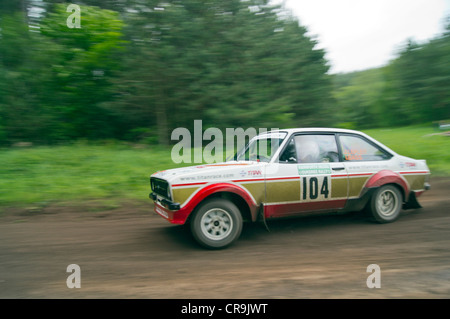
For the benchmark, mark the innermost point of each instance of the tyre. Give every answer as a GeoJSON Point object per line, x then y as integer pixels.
{"type": "Point", "coordinates": [385, 204]}
{"type": "Point", "coordinates": [217, 223]}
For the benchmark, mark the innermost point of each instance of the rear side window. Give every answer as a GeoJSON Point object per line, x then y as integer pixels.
{"type": "Point", "coordinates": [356, 148]}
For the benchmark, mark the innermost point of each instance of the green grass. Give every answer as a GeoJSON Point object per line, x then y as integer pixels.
{"type": "Point", "coordinates": [113, 172]}
{"type": "Point", "coordinates": [40, 175]}
{"type": "Point", "coordinates": [418, 142]}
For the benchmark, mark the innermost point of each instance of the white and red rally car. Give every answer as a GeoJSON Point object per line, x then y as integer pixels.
{"type": "Point", "coordinates": [286, 173]}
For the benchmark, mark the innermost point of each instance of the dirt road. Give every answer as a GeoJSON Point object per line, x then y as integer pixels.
{"type": "Point", "coordinates": [131, 252]}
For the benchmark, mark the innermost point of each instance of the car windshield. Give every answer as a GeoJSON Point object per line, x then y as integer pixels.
{"type": "Point", "coordinates": [261, 148]}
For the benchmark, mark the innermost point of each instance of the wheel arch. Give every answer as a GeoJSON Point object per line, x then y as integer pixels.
{"type": "Point", "coordinates": [236, 199]}
{"type": "Point", "coordinates": [234, 193]}
{"type": "Point", "coordinates": [387, 177]}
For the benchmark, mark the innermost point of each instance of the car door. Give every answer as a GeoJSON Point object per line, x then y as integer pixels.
{"type": "Point", "coordinates": [362, 159]}
{"type": "Point", "coordinates": [309, 176]}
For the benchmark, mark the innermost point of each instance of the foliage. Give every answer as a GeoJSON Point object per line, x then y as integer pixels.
{"type": "Point", "coordinates": [419, 142]}
{"type": "Point", "coordinates": [357, 95]}
{"type": "Point", "coordinates": [231, 64]}
{"type": "Point", "coordinates": [53, 80]}
{"type": "Point", "coordinates": [65, 173]}
{"type": "Point", "coordinates": [136, 70]}
{"type": "Point", "coordinates": [150, 66]}
{"type": "Point", "coordinates": [412, 89]}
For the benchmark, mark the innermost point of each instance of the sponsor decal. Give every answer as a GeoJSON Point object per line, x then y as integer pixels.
{"type": "Point", "coordinates": [255, 172]}
{"type": "Point", "coordinates": [208, 177]}
{"type": "Point", "coordinates": [354, 154]}
{"type": "Point", "coordinates": [161, 212]}
{"type": "Point", "coordinates": [161, 173]}
{"type": "Point", "coordinates": [314, 169]}
{"type": "Point", "coordinates": [410, 165]}
{"type": "Point", "coordinates": [366, 166]}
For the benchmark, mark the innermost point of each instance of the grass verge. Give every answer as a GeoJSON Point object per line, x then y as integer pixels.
{"type": "Point", "coordinates": [418, 142]}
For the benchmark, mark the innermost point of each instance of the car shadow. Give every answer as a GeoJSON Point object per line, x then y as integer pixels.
{"type": "Point", "coordinates": [178, 237]}
{"type": "Point", "coordinates": [303, 222]}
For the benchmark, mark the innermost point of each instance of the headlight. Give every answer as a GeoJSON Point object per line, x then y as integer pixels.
{"type": "Point", "coordinates": [160, 187]}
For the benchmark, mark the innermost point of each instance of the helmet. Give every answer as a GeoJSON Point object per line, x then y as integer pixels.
{"type": "Point", "coordinates": [309, 152]}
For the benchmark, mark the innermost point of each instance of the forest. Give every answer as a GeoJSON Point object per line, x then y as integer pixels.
{"type": "Point", "coordinates": [134, 70]}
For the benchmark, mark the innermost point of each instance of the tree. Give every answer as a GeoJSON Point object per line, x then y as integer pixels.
{"type": "Point", "coordinates": [358, 96]}
{"type": "Point", "coordinates": [229, 63]}
{"type": "Point", "coordinates": [411, 89]}
{"type": "Point", "coordinates": [142, 68]}
{"type": "Point", "coordinates": [421, 75]}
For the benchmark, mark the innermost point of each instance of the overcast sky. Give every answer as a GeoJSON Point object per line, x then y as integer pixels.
{"type": "Point", "coordinates": [362, 34]}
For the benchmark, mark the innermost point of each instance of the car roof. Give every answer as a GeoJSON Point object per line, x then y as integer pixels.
{"type": "Point", "coordinates": [316, 129]}
{"type": "Point", "coordinates": [331, 130]}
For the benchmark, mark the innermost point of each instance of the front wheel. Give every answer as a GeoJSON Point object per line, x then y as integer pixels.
{"type": "Point", "coordinates": [216, 224]}
{"type": "Point", "coordinates": [386, 204]}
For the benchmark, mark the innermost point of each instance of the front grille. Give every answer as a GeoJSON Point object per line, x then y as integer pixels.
{"type": "Point", "coordinates": [160, 187]}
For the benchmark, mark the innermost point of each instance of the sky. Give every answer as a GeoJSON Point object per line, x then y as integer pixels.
{"type": "Point", "coordinates": [363, 34]}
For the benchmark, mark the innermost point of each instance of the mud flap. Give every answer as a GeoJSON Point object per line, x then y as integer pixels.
{"type": "Point", "coordinates": [412, 202]}
{"type": "Point", "coordinates": [261, 217]}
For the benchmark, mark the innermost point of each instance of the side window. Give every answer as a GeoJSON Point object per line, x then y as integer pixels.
{"type": "Point", "coordinates": [289, 154]}
{"type": "Point", "coordinates": [355, 148]}
{"type": "Point", "coordinates": [316, 148]}
{"type": "Point", "coordinates": [310, 148]}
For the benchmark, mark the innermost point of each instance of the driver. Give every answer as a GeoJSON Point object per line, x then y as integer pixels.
{"type": "Point", "coordinates": [309, 152]}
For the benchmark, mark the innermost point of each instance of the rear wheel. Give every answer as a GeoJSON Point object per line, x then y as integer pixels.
{"type": "Point", "coordinates": [386, 204]}
{"type": "Point", "coordinates": [217, 223]}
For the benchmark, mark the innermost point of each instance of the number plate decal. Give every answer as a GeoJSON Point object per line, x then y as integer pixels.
{"type": "Point", "coordinates": [161, 212]}
{"type": "Point", "coordinates": [315, 188]}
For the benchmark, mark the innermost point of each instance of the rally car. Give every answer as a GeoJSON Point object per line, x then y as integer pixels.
{"type": "Point", "coordinates": [286, 173]}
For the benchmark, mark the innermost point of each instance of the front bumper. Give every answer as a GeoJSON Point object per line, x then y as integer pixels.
{"type": "Point", "coordinates": [164, 202]}
{"type": "Point", "coordinates": [170, 211]}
